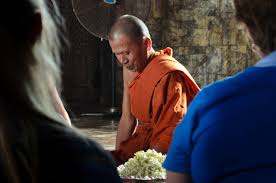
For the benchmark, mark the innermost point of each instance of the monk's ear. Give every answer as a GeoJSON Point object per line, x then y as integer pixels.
{"type": "Point", "coordinates": [148, 43]}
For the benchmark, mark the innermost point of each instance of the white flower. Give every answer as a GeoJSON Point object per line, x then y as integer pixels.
{"type": "Point", "coordinates": [144, 165]}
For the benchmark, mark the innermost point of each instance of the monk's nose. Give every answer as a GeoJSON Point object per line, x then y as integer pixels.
{"type": "Point", "coordinates": [124, 61]}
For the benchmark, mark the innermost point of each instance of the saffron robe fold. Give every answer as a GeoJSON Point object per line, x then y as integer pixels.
{"type": "Point", "coordinates": [159, 98]}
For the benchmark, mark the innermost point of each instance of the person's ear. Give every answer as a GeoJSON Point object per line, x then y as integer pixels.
{"type": "Point", "coordinates": [148, 43]}
{"type": "Point", "coordinates": [36, 27]}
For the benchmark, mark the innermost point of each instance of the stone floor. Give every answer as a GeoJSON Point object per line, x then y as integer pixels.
{"type": "Point", "coordinates": [101, 130]}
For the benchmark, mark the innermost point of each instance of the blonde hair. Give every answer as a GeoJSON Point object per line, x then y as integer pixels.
{"type": "Point", "coordinates": [46, 52]}
{"type": "Point", "coordinates": [26, 69]}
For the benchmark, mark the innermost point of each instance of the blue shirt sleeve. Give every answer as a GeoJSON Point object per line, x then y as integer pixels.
{"type": "Point", "coordinates": [179, 155]}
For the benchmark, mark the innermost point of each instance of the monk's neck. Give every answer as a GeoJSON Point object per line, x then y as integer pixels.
{"type": "Point", "coordinates": [150, 55]}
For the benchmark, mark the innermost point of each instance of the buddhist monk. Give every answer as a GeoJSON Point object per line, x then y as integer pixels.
{"type": "Point", "coordinates": [157, 90]}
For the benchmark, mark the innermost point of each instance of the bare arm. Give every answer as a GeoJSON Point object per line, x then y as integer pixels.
{"type": "Point", "coordinates": [58, 103]}
{"type": "Point", "coordinates": [173, 177]}
{"type": "Point", "coordinates": [127, 122]}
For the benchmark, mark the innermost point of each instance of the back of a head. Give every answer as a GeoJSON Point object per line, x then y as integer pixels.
{"type": "Point", "coordinates": [130, 26]}
{"type": "Point", "coordinates": [260, 19]}
{"type": "Point", "coordinates": [29, 60]}
{"type": "Point", "coordinates": [26, 63]}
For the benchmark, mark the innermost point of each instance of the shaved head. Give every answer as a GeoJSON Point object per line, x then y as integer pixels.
{"type": "Point", "coordinates": [130, 41]}
{"type": "Point", "coordinates": [130, 26]}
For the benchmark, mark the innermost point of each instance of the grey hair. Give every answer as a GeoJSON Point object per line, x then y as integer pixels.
{"type": "Point", "coordinates": [46, 52]}
{"type": "Point", "coordinates": [27, 67]}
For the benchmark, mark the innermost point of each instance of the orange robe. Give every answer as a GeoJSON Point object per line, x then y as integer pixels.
{"type": "Point", "coordinates": [159, 98]}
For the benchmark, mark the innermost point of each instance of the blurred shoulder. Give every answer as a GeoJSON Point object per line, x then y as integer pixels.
{"type": "Point", "coordinates": [74, 156]}
{"type": "Point", "coordinates": [69, 141]}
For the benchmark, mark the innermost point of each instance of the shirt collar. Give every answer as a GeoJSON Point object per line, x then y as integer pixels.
{"type": "Point", "coordinates": [268, 61]}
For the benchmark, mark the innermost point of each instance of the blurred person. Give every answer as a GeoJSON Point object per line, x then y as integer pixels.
{"type": "Point", "coordinates": [35, 144]}
{"type": "Point", "coordinates": [228, 134]}
{"type": "Point", "coordinates": [157, 90]}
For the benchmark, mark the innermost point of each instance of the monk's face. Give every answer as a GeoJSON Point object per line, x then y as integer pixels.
{"type": "Point", "coordinates": [132, 54]}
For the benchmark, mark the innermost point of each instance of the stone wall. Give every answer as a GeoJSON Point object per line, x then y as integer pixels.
{"type": "Point", "coordinates": [204, 35]}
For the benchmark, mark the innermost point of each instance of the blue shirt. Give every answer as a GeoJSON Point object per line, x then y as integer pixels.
{"type": "Point", "coordinates": [229, 132]}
